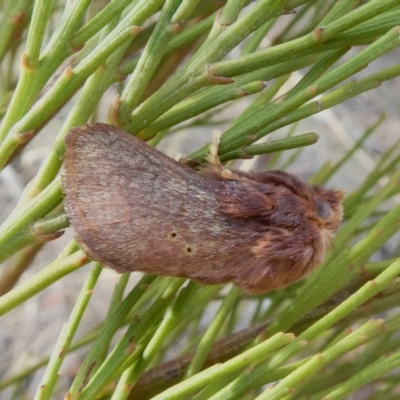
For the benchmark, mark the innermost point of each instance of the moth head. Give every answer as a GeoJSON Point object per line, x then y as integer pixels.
{"type": "Point", "coordinates": [328, 207]}
{"type": "Point", "coordinates": [296, 200]}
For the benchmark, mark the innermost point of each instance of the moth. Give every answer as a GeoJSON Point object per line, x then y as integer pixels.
{"type": "Point", "coordinates": [135, 209]}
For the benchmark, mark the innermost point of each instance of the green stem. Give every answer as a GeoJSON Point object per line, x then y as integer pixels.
{"type": "Point", "coordinates": [150, 58]}
{"type": "Point", "coordinates": [131, 346]}
{"type": "Point", "coordinates": [306, 139]}
{"type": "Point", "coordinates": [367, 291]}
{"type": "Point", "coordinates": [107, 14]}
{"type": "Point", "coordinates": [219, 371]}
{"type": "Point", "coordinates": [172, 316]}
{"type": "Point", "coordinates": [212, 332]}
{"type": "Point", "coordinates": [195, 75]}
{"type": "Point", "coordinates": [322, 177]}
{"type": "Point", "coordinates": [251, 62]}
{"type": "Point", "coordinates": [378, 368]}
{"type": "Point", "coordinates": [94, 88]}
{"type": "Point", "coordinates": [43, 279]}
{"type": "Point", "coordinates": [10, 234]}
{"type": "Point", "coordinates": [297, 378]}
{"type": "Point", "coordinates": [32, 80]}
{"type": "Point", "coordinates": [281, 113]}
{"type": "Point", "coordinates": [40, 17]}
{"type": "Point", "coordinates": [46, 387]}
{"type": "Point", "coordinates": [113, 321]}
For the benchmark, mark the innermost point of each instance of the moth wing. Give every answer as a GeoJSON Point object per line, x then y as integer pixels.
{"type": "Point", "coordinates": [134, 208]}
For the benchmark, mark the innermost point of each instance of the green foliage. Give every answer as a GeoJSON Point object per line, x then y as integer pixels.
{"type": "Point", "coordinates": [168, 62]}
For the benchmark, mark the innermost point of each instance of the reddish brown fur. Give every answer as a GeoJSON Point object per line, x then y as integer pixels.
{"type": "Point", "coordinates": [135, 209]}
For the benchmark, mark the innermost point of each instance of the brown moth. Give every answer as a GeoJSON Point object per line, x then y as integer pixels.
{"type": "Point", "coordinates": [135, 209]}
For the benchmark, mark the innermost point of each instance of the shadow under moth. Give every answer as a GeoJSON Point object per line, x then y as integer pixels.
{"type": "Point", "coordinates": [135, 209]}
